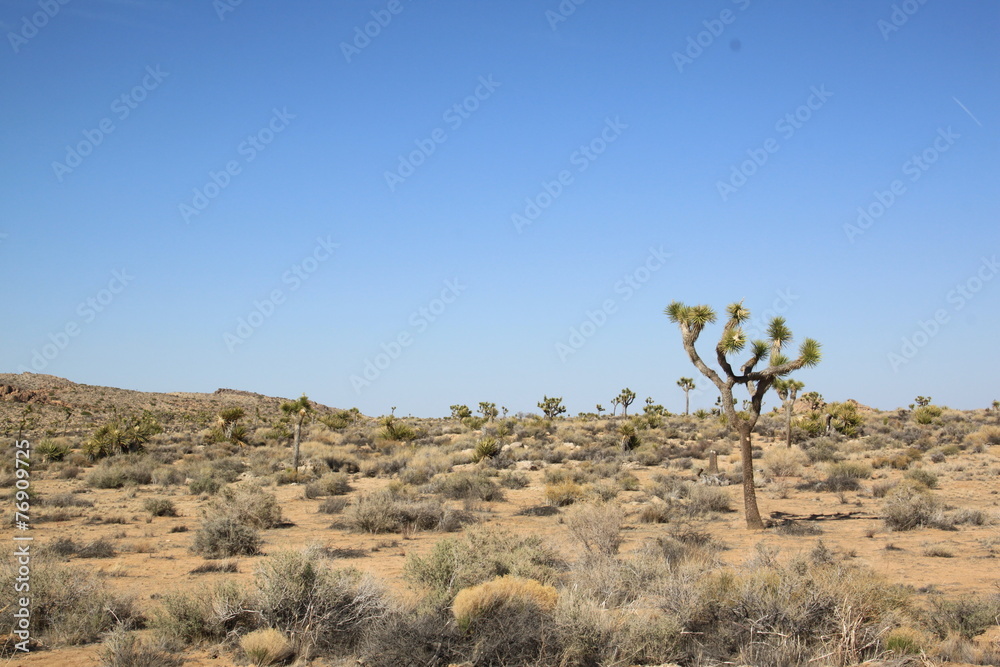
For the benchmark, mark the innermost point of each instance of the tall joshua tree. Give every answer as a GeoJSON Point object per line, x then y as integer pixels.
{"type": "Point", "coordinates": [687, 384]}
{"type": "Point", "coordinates": [625, 399]}
{"type": "Point", "coordinates": [788, 390]}
{"type": "Point", "coordinates": [299, 410]}
{"type": "Point", "coordinates": [692, 320]}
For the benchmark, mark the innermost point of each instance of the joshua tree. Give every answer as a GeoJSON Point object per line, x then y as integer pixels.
{"type": "Point", "coordinates": [552, 407]}
{"type": "Point", "coordinates": [787, 390]}
{"type": "Point", "coordinates": [298, 409]}
{"type": "Point", "coordinates": [460, 411]}
{"type": "Point", "coordinates": [814, 399]}
{"type": "Point", "coordinates": [687, 384]}
{"type": "Point", "coordinates": [922, 401]}
{"type": "Point", "coordinates": [488, 410]}
{"type": "Point", "coordinates": [625, 399]}
{"type": "Point", "coordinates": [600, 409]}
{"type": "Point", "coordinates": [691, 321]}
{"type": "Point", "coordinates": [615, 402]}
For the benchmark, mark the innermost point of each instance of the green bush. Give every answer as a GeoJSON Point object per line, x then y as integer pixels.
{"type": "Point", "coordinates": [122, 434]}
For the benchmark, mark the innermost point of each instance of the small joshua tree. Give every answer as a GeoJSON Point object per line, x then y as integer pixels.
{"type": "Point", "coordinates": [600, 409]}
{"type": "Point", "coordinates": [299, 409]}
{"type": "Point", "coordinates": [625, 398]}
{"type": "Point", "coordinates": [552, 407]}
{"type": "Point", "coordinates": [687, 384]}
{"type": "Point", "coordinates": [787, 390]}
{"type": "Point", "coordinates": [923, 401]}
{"type": "Point", "coordinates": [692, 320]}
{"type": "Point", "coordinates": [460, 411]}
{"type": "Point", "coordinates": [615, 402]}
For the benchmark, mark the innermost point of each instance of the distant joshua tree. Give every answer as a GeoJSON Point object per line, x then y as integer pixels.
{"type": "Point", "coordinates": [787, 391]}
{"type": "Point", "coordinates": [687, 384]}
{"type": "Point", "coordinates": [615, 402]}
{"type": "Point", "coordinates": [600, 409]}
{"type": "Point", "coordinates": [692, 320]}
{"type": "Point", "coordinates": [922, 401]}
{"type": "Point", "coordinates": [625, 398]}
{"type": "Point", "coordinates": [551, 407]}
{"type": "Point", "coordinates": [299, 410]}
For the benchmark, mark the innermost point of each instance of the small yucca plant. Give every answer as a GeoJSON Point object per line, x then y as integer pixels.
{"type": "Point", "coordinates": [486, 448]}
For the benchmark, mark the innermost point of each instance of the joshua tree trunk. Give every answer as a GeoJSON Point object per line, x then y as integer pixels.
{"type": "Point", "coordinates": [295, 446]}
{"type": "Point", "coordinates": [788, 423]}
{"type": "Point", "coordinates": [749, 493]}
{"type": "Point", "coordinates": [687, 403]}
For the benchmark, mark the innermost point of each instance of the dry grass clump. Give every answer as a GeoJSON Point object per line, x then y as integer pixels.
{"type": "Point", "coordinates": [704, 499]}
{"type": "Point", "coordinates": [561, 494]}
{"type": "Point", "coordinates": [502, 596]}
{"type": "Point", "coordinates": [266, 647]}
{"type": "Point", "coordinates": [119, 471]}
{"type": "Point", "coordinates": [987, 436]}
{"type": "Point", "coordinates": [224, 537]}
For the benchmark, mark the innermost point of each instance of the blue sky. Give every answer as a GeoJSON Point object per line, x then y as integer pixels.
{"type": "Point", "coordinates": [285, 198]}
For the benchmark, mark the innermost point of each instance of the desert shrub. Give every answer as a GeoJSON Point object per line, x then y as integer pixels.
{"type": "Point", "coordinates": [784, 461]}
{"type": "Point", "coordinates": [266, 647]}
{"type": "Point", "coordinates": [383, 512]}
{"type": "Point", "coordinates": [908, 506]}
{"type": "Point", "coordinates": [299, 595]}
{"type": "Point", "coordinates": [845, 476]}
{"type": "Point", "coordinates": [224, 536]}
{"type": "Point", "coordinates": [971, 517]}
{"type": "Point", "coordinates": [102, 547]}
{"type": "Point", "coordinates": [467, 485]}
{"type": "Point", "coordinates": [561, 494]}
{"type": "Point", "coordinates": [332, 484]}
{"type": "Point", "coordinates": [987, 436]}
{"type": "Point", "coordinates": [118, 472]}
{"type": "Point", "coordinates": [597, 527]}
{"type": "Point", "coordinates": [247, 504]}
{"type": "Point", "coordinates": [394, 430]}
{"type": "Point", "coordinates": [220, 611]}
{"type": "Point", "coordinates": [69, 605]}
{"type": "Point", "coordinates": [704, 499]}
{"type": "Point", "coordinates": [333, 505]}
{"type": "Point", "coordinates": [160, 507]}
{"type": "Point", "coordinates": [67, 500]}
{"type": "Point", "coordinates": [899, 461]}
{"type": "Point", "coordinates": [923, 477]}
{"type": "Point", "coordinates": [821, 449]}
{"type": "Point", "coordinates": [967, 616]}
{"type": "Point", "coordinates": [204, 484]}
{"type": "Point", "coordinates": [122, 648]}
{"type": "Point", "coordinates": [167, 475]}
{"type": "Point", "coordinates": [514, 480]}
{"type": "Point", "coordinates": [656, 512]}
{"type": "Point", "coordinates": [480, 554]}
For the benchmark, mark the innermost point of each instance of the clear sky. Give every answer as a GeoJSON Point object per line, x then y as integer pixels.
{"type": "Point", "coordinates": [269, 196]}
